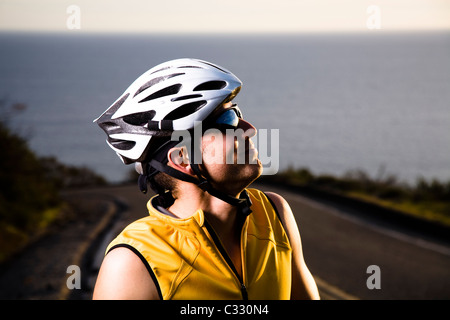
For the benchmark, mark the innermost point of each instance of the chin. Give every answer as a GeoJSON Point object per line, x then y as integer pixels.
{"type": "Point", "coordinates": [253, 172]}
{"type": "Point", "coordinates": [240, 177]}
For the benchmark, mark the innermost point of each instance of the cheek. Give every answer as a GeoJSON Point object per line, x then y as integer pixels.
{"type": "Point", "coordinates": [218, 149]}
{"type": "Point", "coordinates": [230, 145]}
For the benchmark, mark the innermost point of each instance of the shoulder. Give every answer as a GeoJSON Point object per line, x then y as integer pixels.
{"type": "Point", "coordinates": [279, 202]}
{"type": "Point", "coordinates": [304, 286]}
{"type": "Point", "coordinates": [286, 216]}
{"type": "Point", "coordinates": [280, 205]}
{"type": "Point", "coordinates": [123, 275]}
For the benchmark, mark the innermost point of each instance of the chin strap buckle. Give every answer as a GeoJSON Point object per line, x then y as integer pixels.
{"type": "Point", "coordinates": [245, 207]}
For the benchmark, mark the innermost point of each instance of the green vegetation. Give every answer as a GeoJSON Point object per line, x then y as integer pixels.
{"type": "Point", "coordinates": [427, 199]}
{"type": "Point", "coordinates": [29, 190]}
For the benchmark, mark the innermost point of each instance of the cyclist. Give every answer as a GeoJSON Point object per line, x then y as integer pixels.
{"type": "Point", "coordinates": [207, 235]}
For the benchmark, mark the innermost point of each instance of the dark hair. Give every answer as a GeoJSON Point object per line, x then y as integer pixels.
{"type": "Point", "coordinates": [163, 181]}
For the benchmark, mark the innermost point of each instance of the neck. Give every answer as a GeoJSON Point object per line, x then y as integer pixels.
{"type": "Point", "coordinates": [221, 215]}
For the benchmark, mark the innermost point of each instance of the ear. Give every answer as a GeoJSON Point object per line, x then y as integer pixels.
{"type": "Point", "coordinates": [178, 159]}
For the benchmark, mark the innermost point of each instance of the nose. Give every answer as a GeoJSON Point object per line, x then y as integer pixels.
{"type": "Point", "coordinates": [249, 129]}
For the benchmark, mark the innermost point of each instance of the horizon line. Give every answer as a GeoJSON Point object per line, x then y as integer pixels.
{"type": "Point", "coordinates": [227, 33]}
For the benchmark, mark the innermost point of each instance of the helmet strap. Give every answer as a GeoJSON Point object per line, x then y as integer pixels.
{"type": "Point", "coordinates": [243, 203]}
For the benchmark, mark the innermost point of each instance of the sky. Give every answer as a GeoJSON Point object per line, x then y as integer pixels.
{"type": "Point", "coordinates": [225, 16]}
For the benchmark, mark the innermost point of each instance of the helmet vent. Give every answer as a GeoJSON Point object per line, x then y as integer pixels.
{"type": "Point", "coordinates": [155, 81]}
{"type": "Point", "coordinates": [214, 66]}
{"type": "Point", "coordinates": [191, 96]}
{"type": "Point", "coordinates": [174, 89]}
{"type": "Point", "coordinates": [192, 67]}
{"type": "Point", "coordinates": [211, 85]}
{"type": "Point", "coordinates": [159, 70]}
{"type": "Point", "coordinates": [121, 144]}
{"type": "Point", "coordinates": [110, 127]}
{"type": "Point", "coordinates": [139, 119]}
{"type": "Point", "coordinates": [185, 110]}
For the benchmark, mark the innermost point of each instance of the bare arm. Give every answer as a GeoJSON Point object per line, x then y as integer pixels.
{"type": "Point", "coordinates": [124, 276]}
{"type": "Point", "coordinates": [303, 284]}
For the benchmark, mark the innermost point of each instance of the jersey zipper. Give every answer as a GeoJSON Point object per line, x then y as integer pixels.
{"type": "Point", "coordinates": [227, 258]}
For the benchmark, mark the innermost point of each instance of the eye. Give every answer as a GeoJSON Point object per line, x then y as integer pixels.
{"type": "Point", "coordinates": [229, 118]}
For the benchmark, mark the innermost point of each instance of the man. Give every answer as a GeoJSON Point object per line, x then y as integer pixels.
{"type": "Point", "coordinates": [207, 236]}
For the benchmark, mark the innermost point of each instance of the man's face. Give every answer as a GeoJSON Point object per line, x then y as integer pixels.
{"type": "Point", "coordinates": [230, 158]}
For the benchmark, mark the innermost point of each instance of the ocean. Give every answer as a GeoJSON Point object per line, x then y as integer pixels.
{"type": "Point", "coordinates": [376, 102]}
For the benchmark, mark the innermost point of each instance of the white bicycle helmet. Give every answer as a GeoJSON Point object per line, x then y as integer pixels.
{"type": "Point", "coordinates": [171, 96]}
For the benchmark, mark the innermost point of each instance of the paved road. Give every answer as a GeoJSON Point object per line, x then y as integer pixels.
{"type": "Point", "coordinates": [339, 247]}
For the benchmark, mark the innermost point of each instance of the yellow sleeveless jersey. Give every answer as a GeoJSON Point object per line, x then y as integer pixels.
{"type": "Point", "coordinates": [187, 261]}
